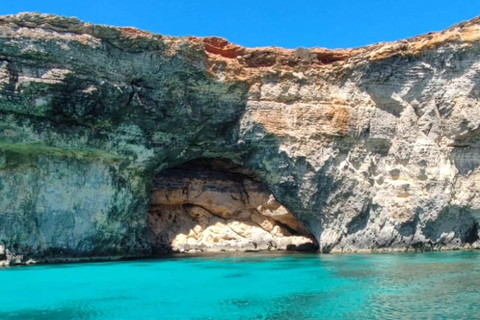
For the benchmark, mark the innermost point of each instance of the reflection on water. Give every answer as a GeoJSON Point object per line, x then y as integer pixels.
{"type": "Point", "coordinates": [443, 285]}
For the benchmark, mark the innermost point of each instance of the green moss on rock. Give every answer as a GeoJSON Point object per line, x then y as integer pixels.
{"type": "Point", "coordinates": [14, 154]}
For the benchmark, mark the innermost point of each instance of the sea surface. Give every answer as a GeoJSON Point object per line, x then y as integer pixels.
{"type": "Point", "coordinates": [437, 285]}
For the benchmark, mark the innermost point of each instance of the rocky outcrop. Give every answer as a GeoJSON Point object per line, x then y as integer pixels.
{"type": "Point", "coordinates": [374, 148]}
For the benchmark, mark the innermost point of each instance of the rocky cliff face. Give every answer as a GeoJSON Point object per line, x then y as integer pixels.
{"type": "Point", "coordinates": [375, 148]}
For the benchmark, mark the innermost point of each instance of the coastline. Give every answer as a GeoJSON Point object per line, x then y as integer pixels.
{"type": "Point", "coordinates": [224, 254]}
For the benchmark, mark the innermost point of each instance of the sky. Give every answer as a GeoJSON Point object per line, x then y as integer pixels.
{"type": "Point", "coordinates": [258, 23]}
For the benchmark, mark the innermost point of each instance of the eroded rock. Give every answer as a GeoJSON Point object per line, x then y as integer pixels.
{"type": "Point", "coordinates": [204, 207]}
{"type": "Point", "coordinates": [372, 148]}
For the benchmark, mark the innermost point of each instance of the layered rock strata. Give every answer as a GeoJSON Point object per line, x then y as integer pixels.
{"type": "Point", "coordinates": [373, 148]}
{"type": "Point", "coordinates": [206, 206]}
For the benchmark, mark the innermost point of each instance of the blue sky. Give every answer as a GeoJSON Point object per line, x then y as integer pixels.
{"type": "Point", "coordinates": [252, 23]}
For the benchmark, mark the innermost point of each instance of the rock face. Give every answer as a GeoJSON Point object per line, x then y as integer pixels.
{"type": "Point", "coordinates": [211, 205]}
{"type": "Point", "coordinates": [374, 148]}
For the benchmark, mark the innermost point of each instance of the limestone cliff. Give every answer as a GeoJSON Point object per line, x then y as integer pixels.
{"type": "Point", "coordinates": [374, 148]}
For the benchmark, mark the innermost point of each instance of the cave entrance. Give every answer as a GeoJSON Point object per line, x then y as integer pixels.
{"type": "Point", "coordinates": [213, 205]}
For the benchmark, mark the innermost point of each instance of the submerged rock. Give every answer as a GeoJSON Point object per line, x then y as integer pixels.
{"type": "Point", "coordinates": [373, 148]}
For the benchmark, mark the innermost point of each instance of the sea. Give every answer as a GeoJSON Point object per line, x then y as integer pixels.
{"type": "Point", "coordinates": [432, 285]}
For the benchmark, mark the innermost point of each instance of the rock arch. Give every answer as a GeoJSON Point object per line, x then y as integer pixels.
{"type": "Point", "coordinates": [211, 205]}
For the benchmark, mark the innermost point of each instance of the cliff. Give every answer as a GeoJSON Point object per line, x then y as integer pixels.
{"type": "Point", "coordinates": [373, 148]}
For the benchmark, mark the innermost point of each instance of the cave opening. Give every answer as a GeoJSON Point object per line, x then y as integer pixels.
{"type": "Point", "coordinates": [215, 205]}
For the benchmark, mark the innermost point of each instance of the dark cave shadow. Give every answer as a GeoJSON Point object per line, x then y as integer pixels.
{"type": "Point", "coordinates": [454, 218]}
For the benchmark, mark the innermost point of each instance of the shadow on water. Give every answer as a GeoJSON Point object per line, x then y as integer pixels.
{"type": "Point", "coordinates": [80, 313]}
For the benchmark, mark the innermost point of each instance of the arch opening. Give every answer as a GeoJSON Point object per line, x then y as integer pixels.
{"type": "Point", "coordinates": [214, 205]}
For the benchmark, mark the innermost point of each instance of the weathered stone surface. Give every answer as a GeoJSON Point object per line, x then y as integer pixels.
{"type": "Point", "coordinates": [205, 206]}
{"type": "Point", "coordinates": [374, 148]}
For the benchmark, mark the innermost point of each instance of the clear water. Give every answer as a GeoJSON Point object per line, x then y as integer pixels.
{"type": "Point", "coordinates": [443, 285]}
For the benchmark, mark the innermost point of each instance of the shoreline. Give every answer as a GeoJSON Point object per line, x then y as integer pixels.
{"type": "Point", "coordinates": [222, 254]}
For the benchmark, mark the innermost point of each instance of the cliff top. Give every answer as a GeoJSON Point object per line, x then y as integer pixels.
{"type": "Point", "coordinates": [237, 57]}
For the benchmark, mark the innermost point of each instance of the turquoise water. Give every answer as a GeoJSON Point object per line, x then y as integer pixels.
{"type": "Point", "coordinates": [444, 285]}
